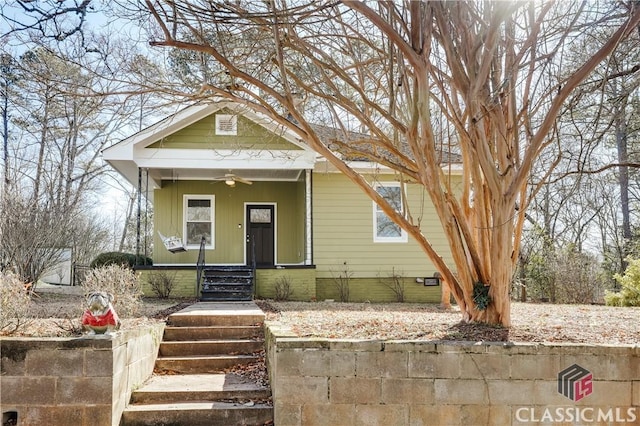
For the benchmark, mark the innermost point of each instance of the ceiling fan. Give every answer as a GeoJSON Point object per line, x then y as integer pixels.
{"type": "Point", "coordinates": [230, 179]}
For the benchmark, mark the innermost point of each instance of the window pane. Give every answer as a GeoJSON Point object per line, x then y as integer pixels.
{"type": "Point", "coordinates": [392, 195]}
{"type": "Point", "coordinates": [195, 231]}
{"type": "Point", "coordinates": [199, 210]}
{"type": "Point", "coordinates": [386, 228]}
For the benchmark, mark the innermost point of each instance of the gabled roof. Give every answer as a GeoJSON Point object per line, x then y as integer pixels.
{"type": "Point", "coordinates": [135, 152]}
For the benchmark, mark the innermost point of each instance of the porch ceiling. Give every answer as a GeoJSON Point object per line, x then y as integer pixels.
{"type": "Point", "coordinates": [255, 175]}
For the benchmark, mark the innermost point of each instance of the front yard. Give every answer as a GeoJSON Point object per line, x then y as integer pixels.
{"type": "Point", "coordinates": [531, 322]}
{"type": "Point", "coordinates": [58, 314]}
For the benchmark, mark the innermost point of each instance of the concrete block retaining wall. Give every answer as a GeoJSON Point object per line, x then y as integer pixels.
{"type": "Point", "coordinates": [74, 381]}
{"type": "Point", "coordinates": [356, 382]}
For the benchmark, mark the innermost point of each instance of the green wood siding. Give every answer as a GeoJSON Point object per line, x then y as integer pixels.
{"type": "Point", "coordinates": [343, 232]}
{"type": "Point", "coordinates": [230, 219]}
{"type": "Point", "coordinates": [202, 134]}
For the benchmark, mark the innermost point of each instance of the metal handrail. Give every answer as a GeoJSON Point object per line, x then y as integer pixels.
{"type": "Point", "coordinates": [200, 264]}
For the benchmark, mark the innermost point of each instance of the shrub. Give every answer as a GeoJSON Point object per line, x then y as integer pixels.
{"type": "Point", "coordinates": [121, 282]}
{"type": "Point", "coordinates": [119, 258]}
{"type": "Point", "coordinates": [162, 283]}
{"type": "Point", "coordinates": [14, 303]}
{"type": "Point", "coordinates": [629, 294]}
{"type": "Point", "coordinates": [284, 289]}
{"type": "Point", "coordinates": [564, 276]}
{"type": "Point", "coordinates": [395, 283]}
{"type": "Point", "coordinates": [342, 282]}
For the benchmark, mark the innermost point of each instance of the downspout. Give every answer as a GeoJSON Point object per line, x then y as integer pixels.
{"type": "Point", "coordinates": [308, 219]}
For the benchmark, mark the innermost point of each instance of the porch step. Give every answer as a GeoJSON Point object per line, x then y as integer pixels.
{"type": "Point", "coordinates": [209, 347]}
{"type": "Point", "coordinates": [227, 283]}
{"type": "Point", "coordinates": [212, 332]}
{"type": "Point", "coordinates": [199, 414]}
{"type": "Point", "coordinates": [227, 271]}
{"type": "Point", "coordinates": [229, 296]}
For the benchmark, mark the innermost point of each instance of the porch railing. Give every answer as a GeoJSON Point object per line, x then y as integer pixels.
{"type": "Point", "coordinates": [200, 264]}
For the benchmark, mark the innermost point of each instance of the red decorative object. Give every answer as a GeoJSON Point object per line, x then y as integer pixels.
{"type": "Point", "coordinates": [100, 323]}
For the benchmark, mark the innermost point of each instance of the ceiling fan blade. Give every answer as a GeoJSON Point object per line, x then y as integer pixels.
{"type": "Point", "coordinates": [242, 180]}
{"type": "Point", "coordinates": [230, 177]}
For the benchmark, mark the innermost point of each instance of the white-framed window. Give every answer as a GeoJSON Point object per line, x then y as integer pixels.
{"type": "Point", "coordinates": [226, 124]}
{"type": "Point", "coordinates": [384, 229]}
{"type": "Point", "coordinates": [199, 220]}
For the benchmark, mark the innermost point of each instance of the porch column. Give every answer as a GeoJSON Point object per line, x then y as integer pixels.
{"type": "Point", "coordinates": [308, 219]}
{"type": "Point", "coordinates": [138, 215]}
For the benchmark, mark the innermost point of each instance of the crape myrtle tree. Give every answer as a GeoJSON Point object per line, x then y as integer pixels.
{"type": "Point", "coordinates": [415, 78]}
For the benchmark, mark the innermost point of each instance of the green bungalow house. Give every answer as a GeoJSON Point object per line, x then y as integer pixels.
{"type": "Point", "coordinates": [239, 199]}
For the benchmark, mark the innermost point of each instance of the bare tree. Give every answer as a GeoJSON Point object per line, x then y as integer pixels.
{"type": "Point", "coordinates": [592, 193]}
{"type": "Point", "coordinates": [58, 127]}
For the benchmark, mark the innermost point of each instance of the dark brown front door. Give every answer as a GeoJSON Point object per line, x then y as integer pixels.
{"type": "Point", "coordinates": [260, 234]}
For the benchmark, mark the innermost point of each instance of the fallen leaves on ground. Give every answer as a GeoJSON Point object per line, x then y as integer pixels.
{"type": "Point", "coordinates": [256, 371]}
{"type": "Point", "coordinates": [531, 322]}
{"type": "Point", "coordinates": [59, 314]}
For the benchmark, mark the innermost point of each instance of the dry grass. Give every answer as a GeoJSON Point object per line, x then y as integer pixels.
{"type": "Point", "coordinates": [57, 314]}
{"type": "Point", "coordinates": [530, 322]}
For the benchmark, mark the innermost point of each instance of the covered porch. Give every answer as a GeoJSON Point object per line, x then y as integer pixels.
{"type": "Point", "coordinates": [235, 238]}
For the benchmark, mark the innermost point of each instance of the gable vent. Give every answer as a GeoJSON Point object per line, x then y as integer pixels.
{"type": "Point", "coordinates": [226, 124]}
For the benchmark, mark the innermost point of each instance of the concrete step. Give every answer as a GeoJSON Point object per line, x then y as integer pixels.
{"type": "Point", "coordinates": [212, 332]}
{"type": "Point", "coordinates": [199, 391]}
{"type": "Point", "coordinates": [199, 387]}
{"type": "Point", "coordinates": [210, 347]}
{"type": "Point", "coordinates": [198, 414]}
{"type": "Point", "coordinates": [201, 363]}
{"type": "Point", "coordinates": [204, 314]}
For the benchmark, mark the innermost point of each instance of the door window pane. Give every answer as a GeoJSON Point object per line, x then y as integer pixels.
{"type": "Point", "coordinates": [260, 215]}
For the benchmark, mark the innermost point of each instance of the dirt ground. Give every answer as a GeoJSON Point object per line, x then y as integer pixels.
{"type": "Point", "coordinates": [531, 322]}
{"type": "Point", "coordinates": [56, 311]}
